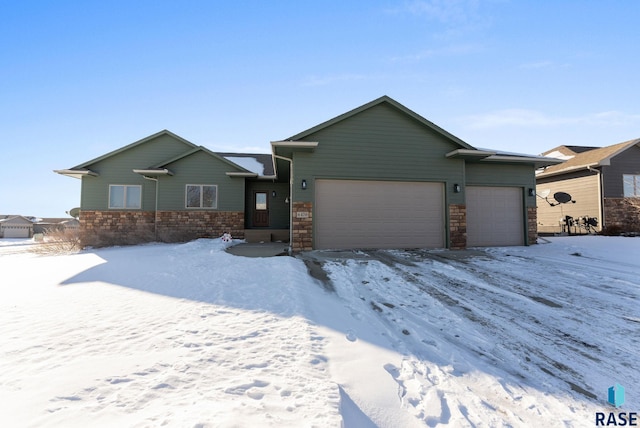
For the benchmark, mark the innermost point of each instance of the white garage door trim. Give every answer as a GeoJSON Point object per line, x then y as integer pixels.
{"type": "Point", "coordinates": [378, 214]}
{"type": "Point", "coordinates": [495, 216]}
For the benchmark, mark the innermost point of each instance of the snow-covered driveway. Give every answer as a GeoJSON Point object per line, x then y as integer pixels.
{"type": "Point", "coordinates": [188, 335]}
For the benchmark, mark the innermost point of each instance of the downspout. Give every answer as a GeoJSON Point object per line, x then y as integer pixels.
{"type": "Point", "coordinates": [600, 201]}
{"type": "Point", "coordinates": [155, 213]}
{"type": "Point", "coordinates": [290, 199]}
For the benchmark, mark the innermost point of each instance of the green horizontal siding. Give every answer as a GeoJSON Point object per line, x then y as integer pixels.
{"type": "Point", "coordinates": [498, 174]}
{"type": "Point", "coordinates": [380, 143]}
{"type": "Point", "coordinates": [200, 168]}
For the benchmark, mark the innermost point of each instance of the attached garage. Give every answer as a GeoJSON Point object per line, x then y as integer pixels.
{"type": "Point", "coordinates": [495, 216]}
{"type": "Point", "coordinates": [378, 214]}
{"type": "Point", "coordinates": [16, 232]}
{"type": "Point", "coordinates": [16, 227]}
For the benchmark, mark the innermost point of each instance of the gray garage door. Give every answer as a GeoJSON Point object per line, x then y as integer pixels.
{"type": "Point", "coordinates": [378, 214]}
{"type": "Point", "coordinates": [494, 216]}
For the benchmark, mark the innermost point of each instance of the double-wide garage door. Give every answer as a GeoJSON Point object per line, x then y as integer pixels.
{"type": "Point", "coordinates": [494, 216]}
{"type": "Point", "coordinates": [15, 232]}
{"type": "Point", "coordinates": [378, 214]}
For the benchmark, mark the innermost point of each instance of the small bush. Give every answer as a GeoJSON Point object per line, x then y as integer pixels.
{"type": "Point", "coordinates": [58, 241]}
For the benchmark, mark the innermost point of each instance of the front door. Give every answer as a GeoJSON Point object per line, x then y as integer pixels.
{"type": "Point", "coordinates": [260, 209]}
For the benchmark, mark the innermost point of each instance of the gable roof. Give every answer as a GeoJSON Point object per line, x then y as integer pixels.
{"type": "Point", "coordinates": [16, 219]}
{"type": "Point", "coordinates": [197, 149]}
{"type": "Point", "coordinates": [260, 163]}
{"type": "Point", "coordinates": [81, 170]}
{"type": "Point", "coordinates": [589, 158]}
{"type": "Point", "coordinates": [382, 100]}
{"type": "Point", "coordinates": [134, 144]}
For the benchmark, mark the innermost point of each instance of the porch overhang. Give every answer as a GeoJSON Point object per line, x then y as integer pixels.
{"type": "Point", "coordinates": [468, 154]}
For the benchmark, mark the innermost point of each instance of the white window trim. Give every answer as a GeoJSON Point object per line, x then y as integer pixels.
{"type": "Point", "coordinates": [635, 179]}
{"type": "Point", "coordinates": [186, 193]}
{"type": "Point", "coordinates": [125, 196]}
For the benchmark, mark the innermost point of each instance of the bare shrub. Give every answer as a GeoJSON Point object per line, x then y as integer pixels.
{"type": "Point", "coordinates": [58, 241]}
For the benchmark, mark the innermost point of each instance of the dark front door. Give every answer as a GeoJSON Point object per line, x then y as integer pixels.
{"type": "Point", "coordinates": [260, 209]}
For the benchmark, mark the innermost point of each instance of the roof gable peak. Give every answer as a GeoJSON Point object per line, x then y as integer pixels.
{"type": "Point", "coordinates": [135, 144]}
{"type": "Point", "coordinates": [385, 99]}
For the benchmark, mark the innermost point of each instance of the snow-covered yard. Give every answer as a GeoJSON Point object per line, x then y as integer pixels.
{"type": "Point", "coordinates": [188, 335]}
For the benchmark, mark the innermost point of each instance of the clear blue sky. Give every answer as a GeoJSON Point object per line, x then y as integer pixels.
{"type": "Point", "coordinates": [81, 78]}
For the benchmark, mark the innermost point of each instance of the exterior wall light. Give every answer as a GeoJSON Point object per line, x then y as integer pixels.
{"type": "Point", "coordinates": [457, 188]}
{"type": "Point", "coordinates": [303, 184]}
{"type": "Point", "coordinates": [532, 192]}
{"type": "Point", "coordinates": [273, 194]}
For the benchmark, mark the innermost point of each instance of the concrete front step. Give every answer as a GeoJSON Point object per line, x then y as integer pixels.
{"type": "Point", "coordinates": [266, 235]}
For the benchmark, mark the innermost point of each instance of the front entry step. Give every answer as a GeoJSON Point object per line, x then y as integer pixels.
{"type": "Point", "coordinates": [266, 235]}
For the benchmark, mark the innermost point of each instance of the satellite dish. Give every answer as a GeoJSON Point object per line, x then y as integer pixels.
{"type": "Point", "coordinates": [75, 212]}
{"type": "Point", "coordinates": [544, 193]}
{"type": "Point", "coordinates": [562, 197]}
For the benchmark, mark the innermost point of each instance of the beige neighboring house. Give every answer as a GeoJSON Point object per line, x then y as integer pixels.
{"type": "Point", "coordinates": [16, 226]}
{"type": "Point", "coordinates": [603, 182]}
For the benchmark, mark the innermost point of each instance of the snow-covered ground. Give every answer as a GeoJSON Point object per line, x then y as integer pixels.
{"type": "Point", "coordinates": [188, 335]}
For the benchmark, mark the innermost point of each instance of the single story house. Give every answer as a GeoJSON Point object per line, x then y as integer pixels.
{"type": "Point", "coordinates": [603, 183]}
{"type": "Point", "coordinates": [378, 176]}
{"type": "Point", "coordinates": [16, 226]}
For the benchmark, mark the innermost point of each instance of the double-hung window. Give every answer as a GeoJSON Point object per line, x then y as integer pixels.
{"type": "Point", "coordinates": [201, 196]}
{"type": "Point", "coordinates": [125, 196]}
{"type": "Point", "coordinates": [631, 185]}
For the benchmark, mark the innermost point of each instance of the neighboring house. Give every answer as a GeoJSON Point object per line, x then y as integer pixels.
{"type": "Point", "coordinates": [45, 225]}
{"type": "Point", "coordinates": [604, 183]}
{"type": "Point", "coordinates": [16, 226]}
{"type": "Point", "coordinates": [379, 176]}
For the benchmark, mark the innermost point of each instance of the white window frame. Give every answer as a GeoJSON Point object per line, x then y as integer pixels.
{"type": "Point", "coordinates": [632, 180]}
{"type": "Point", "coordinates": [126, 187]}
{"type": "Point", "coordinates": [200, 207]}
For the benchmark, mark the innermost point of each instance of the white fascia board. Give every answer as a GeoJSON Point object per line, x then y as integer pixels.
{"type": "Point", "coordinates": [309, 145]}
{"type": "Point", "coordinates": [153, 171]}
{"type": "Point", "coordinates": [469, 153]}
{"type": "Point", "coordinates": [241, 174]}
{"type": "Point", "coordinates": [76, 173]}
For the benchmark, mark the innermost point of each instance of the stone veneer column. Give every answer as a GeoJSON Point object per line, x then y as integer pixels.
{"type": "Point", "coordinates": [302, 226]}
{"type": "Point", "coordinates": [532, 225]}
{"type": "Point", "coordinates": [621, 215]}
{"type": "Point", "coordinates": [458, 226]}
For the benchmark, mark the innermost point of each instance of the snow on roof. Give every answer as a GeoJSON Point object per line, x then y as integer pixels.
{"type": "Point", "coordinates": [559, 155]}
{"type": "Point", "coordinates": [248, 163]}
{"type": "Point", "coordinates": [258, 163]}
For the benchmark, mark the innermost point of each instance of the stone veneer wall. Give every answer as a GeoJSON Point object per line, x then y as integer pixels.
{"type": "Point", "coordinates": [302, 226]}
{"type": "Point", "coordinates": [532, 225]}
{"type": "Point", "coordinates": [621, 215]}
{"type": "Point", "coordinates": [105, 228]}
{"type": "Point", "coordinates": [181, 226]}
{"type": "Point", "coordinates": [457, 226]}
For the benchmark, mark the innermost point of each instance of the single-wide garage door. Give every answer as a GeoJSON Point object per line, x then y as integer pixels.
{"type": "Point", "coordinates": [495, 216]}
{"type": "Point", "coordinates": [378, 214]}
